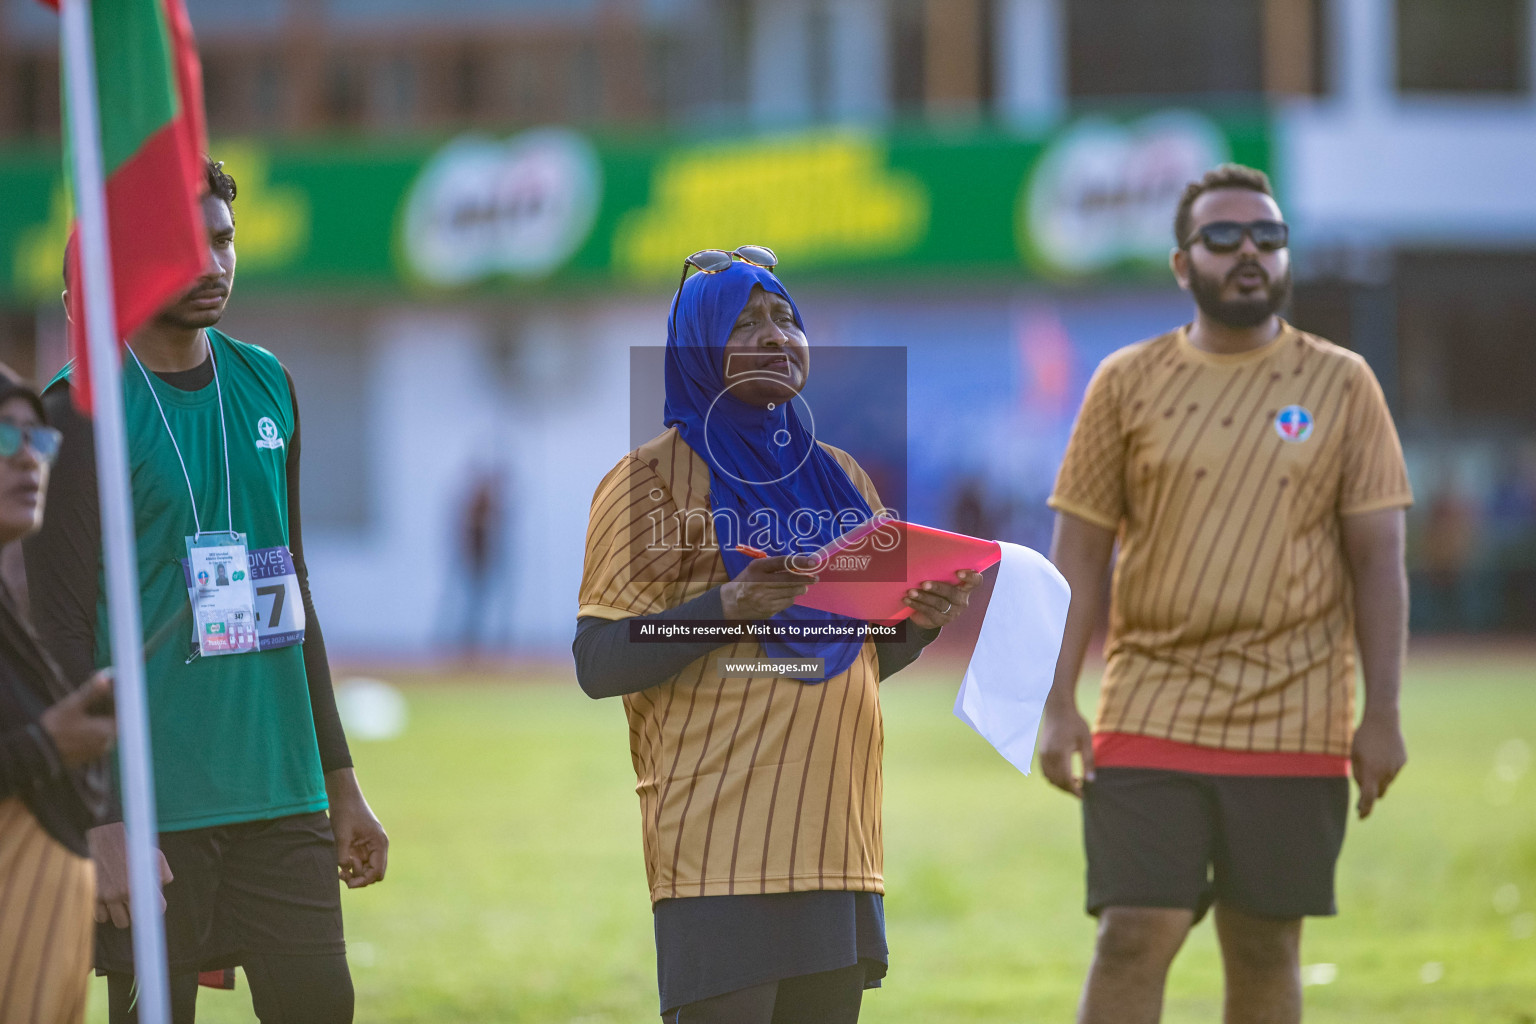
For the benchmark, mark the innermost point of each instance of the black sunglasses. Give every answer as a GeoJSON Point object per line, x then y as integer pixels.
{"type": "Point", "coordinates": [1227, 235]}
{"type": "Point", "coordinates": [44, 441]}
{"type": "Point", "coordinates": [713, 261]}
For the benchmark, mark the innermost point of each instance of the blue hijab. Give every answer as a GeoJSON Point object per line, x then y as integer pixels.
{"type": "Point", "coordinates": [764, 464]}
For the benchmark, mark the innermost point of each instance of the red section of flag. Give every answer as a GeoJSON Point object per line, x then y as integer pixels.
{"type": "Point", "coordinates": [189, 79]}
{"type": "Point", "coordinates": [154, 221]}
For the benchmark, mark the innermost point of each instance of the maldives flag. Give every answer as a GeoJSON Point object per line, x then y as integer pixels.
{"type": "Point", "coordinates": [149, 87]}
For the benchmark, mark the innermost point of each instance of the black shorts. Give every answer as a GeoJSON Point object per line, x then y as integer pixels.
{"type": "Point", "coordinates": [1264, 845]}
{"type": "Point", "coordinates": [252, 887]}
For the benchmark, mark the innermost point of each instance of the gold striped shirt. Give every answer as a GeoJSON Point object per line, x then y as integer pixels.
{"type": "Point", "coordinates": [746, 785]}
{"type": "Point", "coordinates": [1231, 616]}
{"type": "Point", "coordinates": [47, 899]}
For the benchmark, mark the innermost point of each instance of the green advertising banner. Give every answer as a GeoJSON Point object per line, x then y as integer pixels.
{"type": "Point", "coordinates": [556, 208]}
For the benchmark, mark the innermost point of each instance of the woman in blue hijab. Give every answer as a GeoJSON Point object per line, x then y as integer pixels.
{"type": "Point", "coordinates": [759, 787]}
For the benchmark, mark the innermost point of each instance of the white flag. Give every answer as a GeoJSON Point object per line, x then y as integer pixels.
{"type": "Point", "coordinates": [1006, 683]}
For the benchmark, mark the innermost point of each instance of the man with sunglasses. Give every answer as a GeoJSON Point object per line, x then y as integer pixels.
{"type": "Point", "coordinates": [257, 801]}
{"type": "Point", "coordinates": [1255, 482]}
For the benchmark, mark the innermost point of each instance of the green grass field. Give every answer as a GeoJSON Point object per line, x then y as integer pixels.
{"type": "Point", "coordinates": [516, 890]}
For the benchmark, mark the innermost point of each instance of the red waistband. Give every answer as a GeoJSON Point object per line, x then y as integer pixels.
{"type": "Point", "coordinates": [1127, 750]}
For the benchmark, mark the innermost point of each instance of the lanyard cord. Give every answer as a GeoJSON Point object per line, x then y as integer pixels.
{"type": "Point", "coordinates": [229, 503]}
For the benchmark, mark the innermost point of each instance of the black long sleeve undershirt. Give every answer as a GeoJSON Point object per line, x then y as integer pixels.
{"type": "Point", "coordinates": [609, 664]}
{"type": "Point", "coordinates": [27, 757]}
{"type": "Point", "coordinates": [64, 798]}
{"type": "Point", "coordinates": [64, 563]}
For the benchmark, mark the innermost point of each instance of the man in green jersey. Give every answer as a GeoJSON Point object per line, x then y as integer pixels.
{"type": "Point", "coordinates": [248, 748]}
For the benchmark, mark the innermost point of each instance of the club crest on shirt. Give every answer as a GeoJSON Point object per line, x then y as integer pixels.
{"type": "Point", "coordinates": [270, 438]}
{"type": "Point", "coordinates": [1293, 423]}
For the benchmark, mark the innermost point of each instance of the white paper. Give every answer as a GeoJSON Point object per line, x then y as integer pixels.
{"type": "Point", "coordinates": [1006, 683]}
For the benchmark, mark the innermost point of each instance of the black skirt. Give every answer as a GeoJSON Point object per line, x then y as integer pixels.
{"type": "Point", "coordinates": [710, 945]}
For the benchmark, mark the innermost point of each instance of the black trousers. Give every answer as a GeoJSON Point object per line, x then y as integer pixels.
{"type": "Point", "coordinates": [260, 894]}
{"type": "Point", "coordinates": [314, 989]}
{"type": "Point", "coordinates": [831, 997]}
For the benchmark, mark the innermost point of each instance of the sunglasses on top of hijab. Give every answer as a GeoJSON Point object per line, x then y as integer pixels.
{"type": "Point", "coordinates": [1227, 235]}
{"type": "Point", "coordinates": [44, 441]}
{"type": "Point", "coordinates": [713, 261]}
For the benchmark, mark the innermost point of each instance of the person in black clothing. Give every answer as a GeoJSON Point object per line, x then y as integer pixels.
{"type": "Point", "coordinates": [52, 781]}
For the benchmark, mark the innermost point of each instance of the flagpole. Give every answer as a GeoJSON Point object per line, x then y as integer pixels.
{"type": "Point", "coordinates": [118, 549]}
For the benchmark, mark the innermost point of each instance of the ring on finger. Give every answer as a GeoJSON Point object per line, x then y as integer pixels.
{"type": "Point", "coordinates": [948, 607]}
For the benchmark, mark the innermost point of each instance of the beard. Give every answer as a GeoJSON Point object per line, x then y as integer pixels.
{"type": "Point", "coordinates": [184, 317]}
{"type": "Point", "coordinates": [191, 320]}
{"type": "Point", "coordinates": [1245, 311]}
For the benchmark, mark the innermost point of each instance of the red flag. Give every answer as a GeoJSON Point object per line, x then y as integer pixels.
{"type": "Point", "coordinates": [149, 85]}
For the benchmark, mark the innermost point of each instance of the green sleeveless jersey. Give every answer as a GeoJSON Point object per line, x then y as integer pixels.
{"type": "Point", "coordinates": [233, 736]}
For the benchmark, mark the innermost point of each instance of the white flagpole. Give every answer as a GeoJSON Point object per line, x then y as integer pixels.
{"type": "Point", "coordinates": [118, 549]}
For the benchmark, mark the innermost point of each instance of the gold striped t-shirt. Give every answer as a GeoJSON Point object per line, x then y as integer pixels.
{"type": "Point", "coordinates": [1231, 615]}
{"type": "Point", "coordinates": [47, 899]}
{"type": "Point", "coordinates": [746, 785]}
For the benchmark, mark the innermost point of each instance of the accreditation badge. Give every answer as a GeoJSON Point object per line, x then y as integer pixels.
{"type": "Point", "coordinates": [223, 600]}
{"type": "Point", "coordinates": [279, 602]}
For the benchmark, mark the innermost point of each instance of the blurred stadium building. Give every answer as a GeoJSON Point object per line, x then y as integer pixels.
{"type": "Point", "coordinates": [457, 216]}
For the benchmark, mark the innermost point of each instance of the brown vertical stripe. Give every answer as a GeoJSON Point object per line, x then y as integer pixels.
{"type": "Point", "coordinates": [826, 812]}
{"type": "Point", "coordinates": [853, 774]}
{"type": "Point", "coordinates": [45, 922]}
{"type": "Point", "coordinates": [805, 778]}
{"type": "Point", "coordinates": [773, 798]}
{"type": "Point", "coordinates": [725, 771]}
{"type": "Point", "coordinates": [746, 787]}
{"type": "Point", "coordinates": [26, 864]}
{"type": "Point", "coordinates": [661, 803]}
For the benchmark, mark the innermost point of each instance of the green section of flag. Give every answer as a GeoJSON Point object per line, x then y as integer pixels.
{"type": "Point", "coordinates": [135, 76]}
